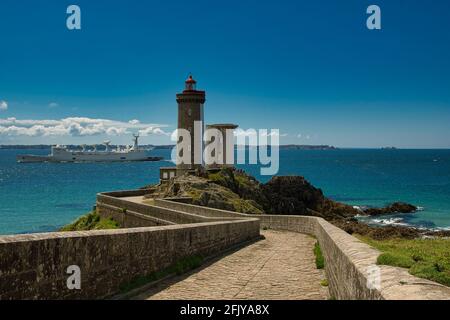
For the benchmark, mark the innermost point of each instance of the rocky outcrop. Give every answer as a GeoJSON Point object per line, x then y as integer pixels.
{"type": "Point", "coordinates": [205, 192]}
{"type": "Point", "coordinates": [396, 207]}
{"type": "Point", "coordinates": [291, 195]}
{"type": "Point", "coordinates": [295, 195]}
{"type": "Point", "coordinates": [232, 189]}
{"type": "Point", "coordinates": [235, 190]}
{"type": "Point", "coordinates": [352, 226]}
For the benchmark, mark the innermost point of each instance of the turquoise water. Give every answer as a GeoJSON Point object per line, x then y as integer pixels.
{"type": "Point", "coordinates": [44, 196]}
{"type": "Point", "coordinates": [369, 177]}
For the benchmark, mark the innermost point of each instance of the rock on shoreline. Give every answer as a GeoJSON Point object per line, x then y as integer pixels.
{"type": "Point", "coordinates": [396, 207]}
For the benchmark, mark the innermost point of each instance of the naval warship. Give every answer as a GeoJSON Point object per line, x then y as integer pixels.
{"type": "Point", "coordinates": [60, 153]}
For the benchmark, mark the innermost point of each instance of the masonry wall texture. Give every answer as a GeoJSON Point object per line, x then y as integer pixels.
{"type": "Point", "coordinates": [128, 218]}
{"type": "Point", "coordinates": [34, 266]}
{"type": "Point", "coordinates": [162, 213]}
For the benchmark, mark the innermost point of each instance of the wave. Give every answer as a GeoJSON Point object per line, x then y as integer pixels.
{"type": "Point", "coordinates": [361, 208]}
{"type": "Point", "coordinates": [400, 221]}
{"type": "Point", "coordinates": [390, 222]}
{"type": "Point", "coordinates": [442, 229]}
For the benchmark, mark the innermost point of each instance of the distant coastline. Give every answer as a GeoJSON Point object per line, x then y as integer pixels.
{"type": "Point", "coordinates": [75, 146]}
{"type": "Point", "coordinates": [100, 146]}
{"type": "Point", "coordinates": [170, 146]}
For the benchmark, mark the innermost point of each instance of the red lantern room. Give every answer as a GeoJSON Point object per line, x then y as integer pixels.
{"type": "Point", "coordinates": [190, 84]}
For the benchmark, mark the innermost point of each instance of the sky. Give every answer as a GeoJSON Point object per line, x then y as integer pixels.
{"type": "Point", "coordinates": [311, 69]}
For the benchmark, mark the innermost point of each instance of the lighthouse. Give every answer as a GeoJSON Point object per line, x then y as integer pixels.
{"type": "Point", "coordinates": [190, 117]}
{"type": "Point", "coordinates": [189, 154]}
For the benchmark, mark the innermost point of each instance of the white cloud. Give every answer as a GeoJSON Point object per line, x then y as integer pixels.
{"type": "Point", "coordinates": [273, 134]}
{"type": "Point", "coordinates": [53, 104]}
{"type": "Point", "coordinates": [241, 132]}
{"type": "Point", "coordinates": [153, 130]}
{"type": "Point", "coordinates": [3, 105]}
{"type": "Point", "coordinates": [76, 127]}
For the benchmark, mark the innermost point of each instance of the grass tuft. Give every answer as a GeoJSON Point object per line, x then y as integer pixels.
{"type": "Point", "coordinates": [91, 221]}
{"type": "Point", "coordinates": [424, 258]}
{"type": "Point", "coordinates": [320, 260]}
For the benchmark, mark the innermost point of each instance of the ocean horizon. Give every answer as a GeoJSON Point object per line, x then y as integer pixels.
{"type": "Point", "coordinates": [42, 197]}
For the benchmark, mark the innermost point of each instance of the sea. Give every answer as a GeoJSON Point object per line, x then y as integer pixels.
{"type": "Point", "coordinates": [42, 197]}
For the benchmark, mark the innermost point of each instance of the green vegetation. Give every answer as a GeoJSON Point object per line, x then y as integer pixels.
{"type": "Point", "coordinates": [324, 283]}
{"type": "Point", "coordinates": [219, 196]}
{"type": "Point", "coordinates": [320, 260]}
{"type": "Point", "coordinates": [180, 267]}
{"type": "Point", "coordinates": [195, 194]}
{"type": "Point", "coordinates": [245, 206]}
{"type": "Point", "coordinates": [425, 258]}
{"type": "Point", "coordinates": [236, 189]}
{"type": "Point", "coordinates": [91, 221]}
{"type": "Point", "coordinates": [218, 178]}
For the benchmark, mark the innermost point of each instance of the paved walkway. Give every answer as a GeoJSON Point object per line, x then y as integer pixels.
{"type": "Point", "coordinates": [279, 267]}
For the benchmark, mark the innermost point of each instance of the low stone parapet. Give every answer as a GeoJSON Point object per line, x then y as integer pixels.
{"type": "Point", "coordinates": [35, 266]}
{"type": "Point", "coordinates": [128, 218]}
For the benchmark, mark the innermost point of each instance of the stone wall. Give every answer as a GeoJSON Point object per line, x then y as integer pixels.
{"type": "Point", "coordinates": [34, 266]}
{"type": "Point", "coordinates": [149, 210]}
{"type": "Point", "coordinates": [166, 214]}
{"type": "Point", "coordinates": [350, 264]}
{"type": "Point", "coordinates": [128, 218]}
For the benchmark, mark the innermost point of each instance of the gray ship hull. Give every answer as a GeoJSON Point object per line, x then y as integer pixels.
{"type": "Point", "coordinates": [122, 158]}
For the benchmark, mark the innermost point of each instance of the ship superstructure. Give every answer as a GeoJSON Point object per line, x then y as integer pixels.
{"type": "Point", "coordinates": [60, 153]}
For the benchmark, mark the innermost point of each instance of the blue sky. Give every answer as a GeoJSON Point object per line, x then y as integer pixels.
{"type": "Point", "coordinates": [310, 68]}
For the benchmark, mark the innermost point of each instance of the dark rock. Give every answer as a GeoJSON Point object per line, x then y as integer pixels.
{"type": "Point", "coordinates": [291, 195]}
{"type": "Point", "coordinates": [377, 233]}
{"type": "Point", "coordinates": [396, 207]}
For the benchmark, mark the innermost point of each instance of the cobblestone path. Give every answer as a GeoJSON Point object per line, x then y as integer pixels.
{"type": "Point", "coordinates": [279, 267]}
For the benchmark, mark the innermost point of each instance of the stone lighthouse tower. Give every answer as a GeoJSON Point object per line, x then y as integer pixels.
{"type": "Point", "coordinates": [190, 117]}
